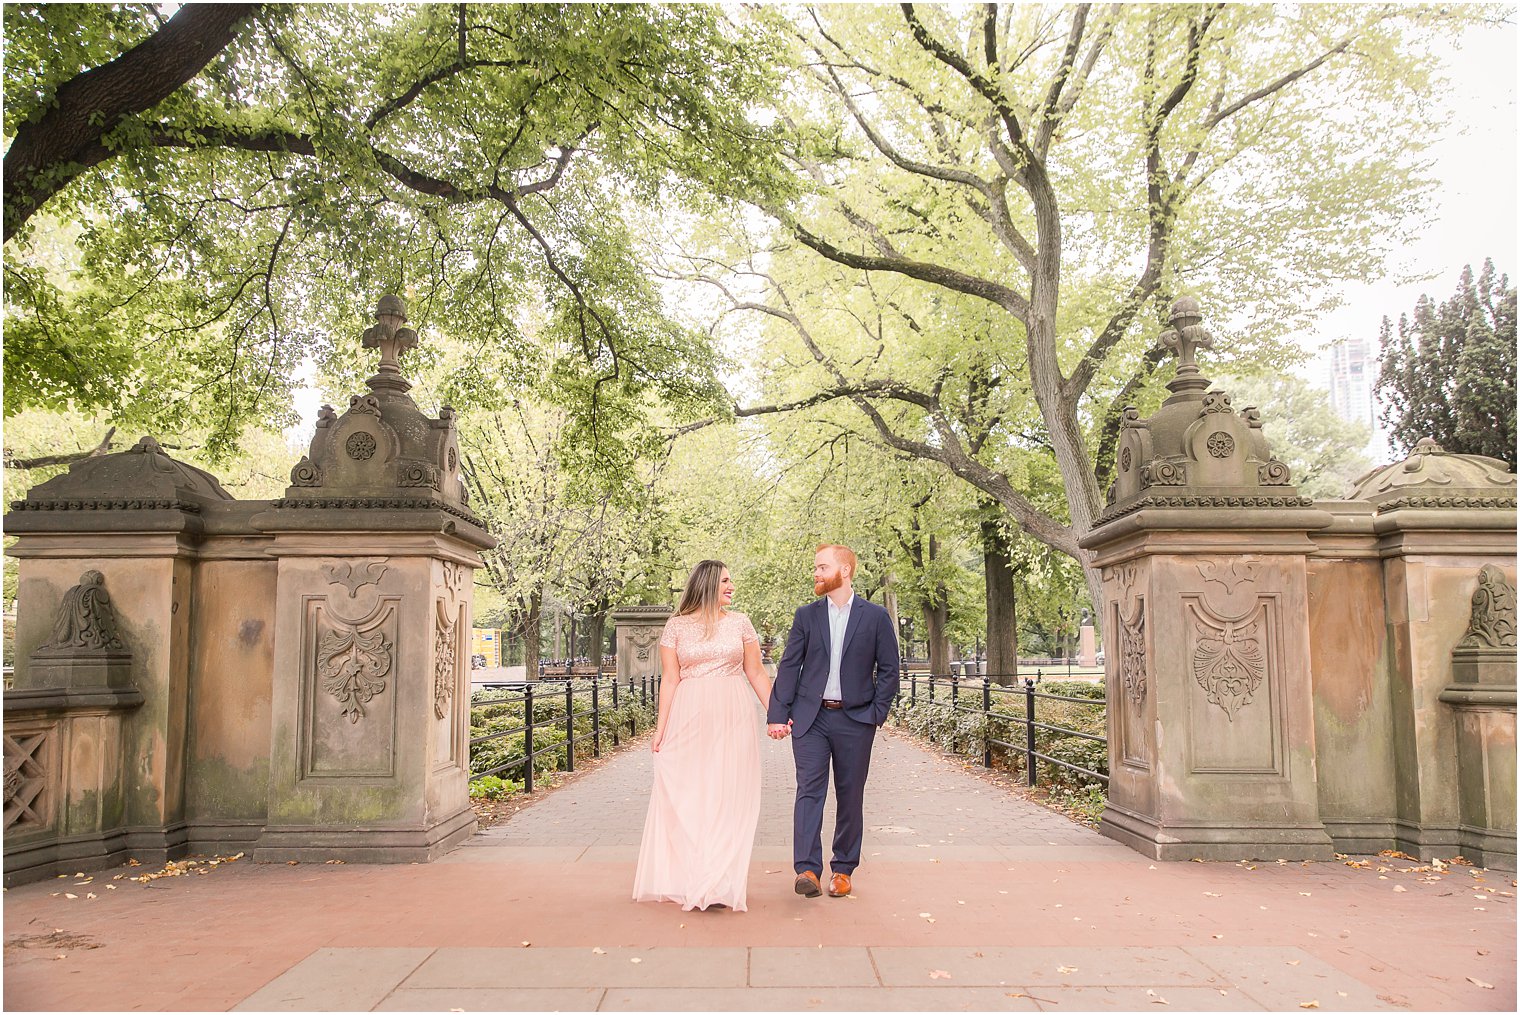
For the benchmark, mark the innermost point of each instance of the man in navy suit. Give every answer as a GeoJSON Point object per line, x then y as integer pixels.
{"type": "Point", "coordinates": [834, 685]}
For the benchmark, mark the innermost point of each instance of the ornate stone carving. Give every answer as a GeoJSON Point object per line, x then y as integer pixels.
{"type": "Point", "coordinates": [352, 665]}
{"type": "Point", "coordinates": [1130, 416]}
{"type": "Point", "coordinates": [1187, 335]}
{"type": "Point", "coordinates": [1118, 510]}
{"type": "Point", "coordinates": [1130, 610]}
{"type": "Point", "coordinates": [26, 780]}
{"type": "Point", "coordinates": [1229, 658]}
{"type": "Point", "coordinates": [1238, 572]}
{"type": "Point", "coordinates": [326, 416]}
{"type": "Point", "coordinates": [1433, 478]}
{"type": "Point", "coordinates": [417, 474]}
{"type": "Point", "coordinates": [85, 618]}
{"type": "Point", "coordinates": [1493, 612]}
{"type": "Point", "coordinates": [1274, 473]}
{"type": "Point", "coordinates": [643, 641]}
{"type": "Point", "coordinates": [305, 473]}
{"type": "Point", "coordinates": [354, 577]}
{"type": "Point", "coordinates": [378, 503]}
{"type": "Point", "coordinates": [1161, 473]}
{"type": "Point", "coordinates": [1215, 401]}
{"type": "Point", "coordinates": [445, 662]}
{"type": "Point", "coordinates": [360, 446]}
{"type": "Point", "coordinates": [1221, 444]}
{"type": "Point", "coordinates": [367, 404]}
{"type": "Point", "coordinates": [1126, 459]}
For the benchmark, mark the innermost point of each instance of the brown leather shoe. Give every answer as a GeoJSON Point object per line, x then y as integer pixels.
{"type": "Point", "coordinates": [807, 885]}
{"type": "Point", "coordinates": [839, 886]}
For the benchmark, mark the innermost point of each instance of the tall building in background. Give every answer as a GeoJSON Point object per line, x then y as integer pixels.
{"type": "Point", "coordinates": [1352, 376]}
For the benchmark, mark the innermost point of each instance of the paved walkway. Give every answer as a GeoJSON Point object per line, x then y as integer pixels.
{"type": "Point", "coordinates": [968, 898]}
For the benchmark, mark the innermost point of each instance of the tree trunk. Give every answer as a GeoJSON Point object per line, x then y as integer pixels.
{"type": "Point", "coordinates": [530, 624]}
{"type": "Point", "coordinates": [598, 632]}
{"type": "Point", "coordinates": [936, 620]}
{"type": "Point", "coordinates": [1002, 625]}
{"type": "Point", "coordinates": [889, 600]}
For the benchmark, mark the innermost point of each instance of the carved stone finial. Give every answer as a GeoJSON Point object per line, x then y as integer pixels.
{"type": "Point", "coordinates": [85, 619]}
{"type": "Point", "coordinates": [393, 341]}
{"type": "Point", "coordinates": [1493, 612]}
{"type": "Point", "coordinates": [1185, 337]}
{"type": "Point", "coordinates": [1427, 446]}
{"type": "Point", "coordinates": [146, 446]}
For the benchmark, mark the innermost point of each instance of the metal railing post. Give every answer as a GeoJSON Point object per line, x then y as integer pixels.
{"type": "Point", "coordinates": [596, 715]}
{"type": "Point", "coordinates": [615, 740]}
{"type": "Point", "coordinates": [986, 722]}
{"type": "Point", "coordinates": [1029, 759]}
{"type": "Point", "coordinates": [955, 716]}
{"type": "Point", "coordinates": [913, 687]}
{"type": "Point", "coordinates": [528, 736]}
{"type": "Point", "coordinates": [569, 726]}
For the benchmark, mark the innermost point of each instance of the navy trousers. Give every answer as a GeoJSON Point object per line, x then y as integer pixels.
{"type": "Point", "coordinates": [833, 739]}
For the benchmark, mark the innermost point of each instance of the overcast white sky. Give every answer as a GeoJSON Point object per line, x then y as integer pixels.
{"type": "Point", "coordinates": [1475, 213]}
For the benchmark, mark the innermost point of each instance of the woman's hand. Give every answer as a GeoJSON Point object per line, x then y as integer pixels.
{"type": "Point", "coordinates": [654, 745]}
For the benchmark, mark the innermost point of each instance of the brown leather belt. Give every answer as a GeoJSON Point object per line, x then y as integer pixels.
{"type": "Point", "coordinates": [828, 703]}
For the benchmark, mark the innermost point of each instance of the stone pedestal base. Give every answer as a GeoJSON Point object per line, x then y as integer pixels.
{"type": "Point", "coordinates": [1214, 842]}
{"type": "Point", "coordinates": [316, 844]}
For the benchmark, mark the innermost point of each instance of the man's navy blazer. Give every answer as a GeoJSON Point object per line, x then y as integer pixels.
{"type": "Point", "coordinates": [868, 669]}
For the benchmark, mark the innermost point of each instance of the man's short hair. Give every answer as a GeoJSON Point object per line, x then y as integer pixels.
{"type": "Point", "coordinates": [843, 554]}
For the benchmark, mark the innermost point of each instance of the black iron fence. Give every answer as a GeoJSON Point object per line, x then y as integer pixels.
{"type": "Point", "coordinates": [1013, 723]}
{"type": "Point", "coordinates": [522, 732]}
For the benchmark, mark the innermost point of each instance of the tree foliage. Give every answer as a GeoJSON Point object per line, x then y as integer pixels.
{"type": "Point", "coordinates": [1072, 170]}
{"type": "Point", "coordinates": [1449, 370]}
{"type": "Point", "coordinates": [245, 181]}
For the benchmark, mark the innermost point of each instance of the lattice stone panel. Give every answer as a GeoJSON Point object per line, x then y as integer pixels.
{"type": "Point", "coordinates": [30, 763]}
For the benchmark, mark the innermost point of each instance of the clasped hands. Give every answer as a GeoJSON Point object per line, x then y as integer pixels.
{"type": "Point", "coordinates": [779, 730]}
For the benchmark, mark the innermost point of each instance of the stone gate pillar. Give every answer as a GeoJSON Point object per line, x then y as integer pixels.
{"type": "Point", "coordinates": [1203, 552]}
{"type": "Point", "coordinates": [376, 547]}
{"type": "Point", "coordinates": [637, 630]}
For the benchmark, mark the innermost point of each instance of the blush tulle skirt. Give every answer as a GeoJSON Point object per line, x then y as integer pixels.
{"type": "Point", "coordinates": [700, 829]}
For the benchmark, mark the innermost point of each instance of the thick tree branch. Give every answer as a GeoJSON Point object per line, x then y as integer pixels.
{"type": "Point", "coordinates": [924, 271]}
{"type": "Point", "coordinates": [42, 461]}
{"type": "Point", "coordinates": [49, 152]}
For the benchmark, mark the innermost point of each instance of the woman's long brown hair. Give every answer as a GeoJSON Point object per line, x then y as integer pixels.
{"type": "Point", "coordinates": [701, 594]}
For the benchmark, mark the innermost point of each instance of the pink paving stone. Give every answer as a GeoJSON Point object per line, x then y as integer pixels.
{"type": "Point", "coordinates": [994, 872]}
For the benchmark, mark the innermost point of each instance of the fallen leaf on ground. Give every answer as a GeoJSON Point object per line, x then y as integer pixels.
{"type": "Point", "coordinates": [1400, 888]}
{"type": "Point", "coordinates": [938, 974]}
{"type": "Point", "coordinates": [635, 960]}
{"type": "Point", "coordinates": [598, 951]}
{"type": "Point", "coordinates": [527, 944]}
{"type": "Point", "coordinates": [70, 895]}
{"type": "Point", "coordinates": [1475, 980]}
{"type": "Point", "coordinates": [1212, 895]}
{"type": "Point", "coordinates": [1066, 969]}
{"type": "Point", "coordinates": [1308, 1004]}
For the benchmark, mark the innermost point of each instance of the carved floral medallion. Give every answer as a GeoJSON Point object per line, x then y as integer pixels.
{"type": "Point", "coordinates": [352, 665]}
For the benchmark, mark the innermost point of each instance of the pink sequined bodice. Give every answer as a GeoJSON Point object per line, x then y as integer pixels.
{"type": "Point", "coordinates": [721, 655]}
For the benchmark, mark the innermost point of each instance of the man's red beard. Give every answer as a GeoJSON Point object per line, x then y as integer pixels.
{"type": "Point", "coordinates": [823, 588]}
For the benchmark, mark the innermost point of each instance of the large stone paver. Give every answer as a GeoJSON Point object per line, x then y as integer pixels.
{"type": "Point", "coordinates": [968, 898]}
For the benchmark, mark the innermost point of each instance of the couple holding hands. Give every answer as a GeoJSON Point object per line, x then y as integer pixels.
{"type": "Point", "coordinates": [834, 686]}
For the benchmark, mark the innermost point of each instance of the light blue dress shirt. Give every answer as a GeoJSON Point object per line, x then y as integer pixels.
{"type": "Point", "coordinates": [839, 618]}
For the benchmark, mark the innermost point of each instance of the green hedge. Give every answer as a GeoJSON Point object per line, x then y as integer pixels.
{"type": "Point", "coordinates": [963, 731]}
{"type": "Point", "coordinates": [495, 712]}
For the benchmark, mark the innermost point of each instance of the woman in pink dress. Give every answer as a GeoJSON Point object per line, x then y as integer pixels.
{"type": "Point", "coordinates": [700, 829]}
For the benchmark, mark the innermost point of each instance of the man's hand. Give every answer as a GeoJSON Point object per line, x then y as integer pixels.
{"type": "Point", "coordinates": [779, 731]}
